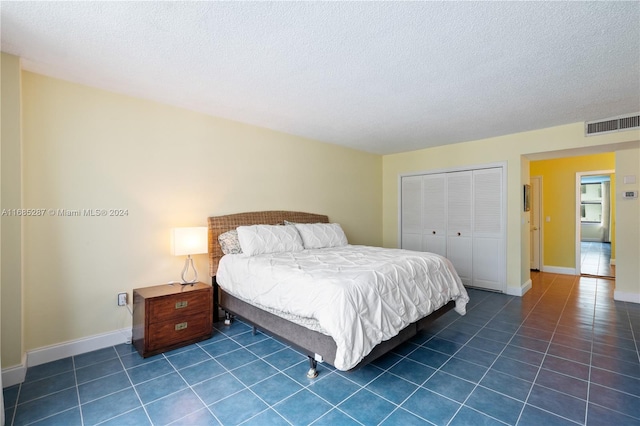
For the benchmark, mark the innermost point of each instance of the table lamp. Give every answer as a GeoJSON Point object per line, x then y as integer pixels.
{"type": "Point", "coordinates": [188, 241]}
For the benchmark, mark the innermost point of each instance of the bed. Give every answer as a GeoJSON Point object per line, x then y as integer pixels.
{"type": "Point", "coordinates": [301, 322]}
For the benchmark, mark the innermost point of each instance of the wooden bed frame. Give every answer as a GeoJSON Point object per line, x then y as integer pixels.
{"type": "Point", "coordinates": [317, 346]}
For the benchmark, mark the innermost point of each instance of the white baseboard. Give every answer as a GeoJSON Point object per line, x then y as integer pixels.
{"type": "Point", "coordinates": [77, 347]}
{"type": "Point", "coordinates": [559, 270]}
{"type": "Point", "coordinates": [520, 291]}
{"type": "Point", "coordinates": [14, 375]}
{"type": "Point", "coordinates": [626, 297]}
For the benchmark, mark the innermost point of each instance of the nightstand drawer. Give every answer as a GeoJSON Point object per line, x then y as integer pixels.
{"type": "Point", "coordinates": [187, 328]}
{"type": "Point", "coordinates": [178, 305]}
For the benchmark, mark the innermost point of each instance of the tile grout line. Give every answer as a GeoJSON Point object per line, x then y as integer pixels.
{"type": "Point", "coordinates": [15, 407]}
{"type": "Point", "coordinates": [398, 406]}
{"type": "Point", "coordinates": [513, 334]}
{"type": "Point", "coordinates": [133, 386]}
{"type": "Point", "coordinates": [75, 379]}
{"type": "Point", "coordinates": [190, 387]}
{"type": "Point", "coordinates": [498, 356]}
{"type": "Point", "coordinates": [546, 353]}
{"type": "Point", "coordinates": [261, 358]}
{"type": "Point", "coordinates": [586, 413]}
{"type": "Point", "coordinates": [612, 372]}
{"type": "Point", "coordinates": [226, 371]}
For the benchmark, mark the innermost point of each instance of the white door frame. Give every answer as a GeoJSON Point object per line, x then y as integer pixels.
{"type": "Point", "coordinates": [536, 211]}
{"type": "Point", "coordinates": [579, 176]}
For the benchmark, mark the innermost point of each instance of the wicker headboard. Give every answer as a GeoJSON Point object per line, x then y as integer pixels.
{"type": "Point", "coordinates": [220, 224]}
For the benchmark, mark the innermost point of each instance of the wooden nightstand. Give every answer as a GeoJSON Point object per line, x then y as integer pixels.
{"type": "Point", "coordinates": [168, 316]}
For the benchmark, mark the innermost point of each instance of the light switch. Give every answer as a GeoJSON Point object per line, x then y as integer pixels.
{"type": "Point", "coordinates": [629, 179]}
{"type": "Point", "coordinates": [548, 218]}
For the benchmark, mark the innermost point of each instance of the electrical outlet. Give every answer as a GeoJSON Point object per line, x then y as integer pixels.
{"type": "Point", "coordinates": [122, 299]}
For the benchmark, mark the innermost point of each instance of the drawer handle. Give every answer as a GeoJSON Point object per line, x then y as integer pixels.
{"type": "Point", "coordinates": [180, 305]}
{"type": "Point", "coordinates": [181, 326]}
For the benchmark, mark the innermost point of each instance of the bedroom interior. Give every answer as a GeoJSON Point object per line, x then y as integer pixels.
{"type": "Point", "coordinates": [70, 144]}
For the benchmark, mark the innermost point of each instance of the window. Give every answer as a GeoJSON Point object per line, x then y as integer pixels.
{"type": "Point", "coordinates": [591, 202]}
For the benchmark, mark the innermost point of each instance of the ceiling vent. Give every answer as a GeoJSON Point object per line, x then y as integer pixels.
{"type": "Point", "coordinates": [615, 124]}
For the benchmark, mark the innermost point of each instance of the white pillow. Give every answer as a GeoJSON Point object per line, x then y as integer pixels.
{"type": "Point", "coordinates": [321, 235]}
{"type": "Point", "coordinates": [259, 239]}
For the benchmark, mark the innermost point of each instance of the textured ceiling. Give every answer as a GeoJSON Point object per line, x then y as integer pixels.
{"type": "Point", "coordinates": [382, 77]}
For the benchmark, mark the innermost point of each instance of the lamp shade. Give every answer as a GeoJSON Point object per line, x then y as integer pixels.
{"type": "Point", "coordinates": [185, 241]}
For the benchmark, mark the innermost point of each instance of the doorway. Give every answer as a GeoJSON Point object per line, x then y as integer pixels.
{"type": "Point", "coordinates": [536, 223]}
{"type": "Point", "coordinates": [594, 221]}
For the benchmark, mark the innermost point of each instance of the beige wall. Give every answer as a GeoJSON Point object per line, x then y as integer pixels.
{"type": "Point", "coordinates": [627, 227]}
{"type": "Point", "coordinates": [89, 149]}
{"type": "Point", "coordinates": [516, 150]}
{"type": "Point", "coordinates": [11, 226]}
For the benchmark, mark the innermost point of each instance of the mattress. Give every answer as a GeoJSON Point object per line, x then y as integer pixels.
{"type": "Point", "coordinates": [359, 295]}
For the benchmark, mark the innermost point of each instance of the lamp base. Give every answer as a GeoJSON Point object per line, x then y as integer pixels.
{"type": "Point", "coordinates": [188, 264]}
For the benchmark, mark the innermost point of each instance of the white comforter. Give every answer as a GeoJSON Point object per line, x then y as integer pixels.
{"type": "Point", "coordinates": [360, 295]}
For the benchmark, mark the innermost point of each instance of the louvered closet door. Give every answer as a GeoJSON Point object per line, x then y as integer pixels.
{"type": "Point", "coordinates": [411, 209]}
{"type": "Point", "coordinates": [459, 221]}
{"type": "Point", "coordinates": [488, 232]}
{"type": "Point", "coordinates": [434, 219]}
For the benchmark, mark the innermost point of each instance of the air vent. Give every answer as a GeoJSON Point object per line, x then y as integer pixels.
{"type": "Point", "coordinates": [615, 124]}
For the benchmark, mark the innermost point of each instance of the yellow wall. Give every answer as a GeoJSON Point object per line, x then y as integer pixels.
{"type": "Point", "coordinates": [11, 226]}
{"type": "Point", "coordinates": [515, 150]}
{"type": "Point", "coordinates": [559, 203]}
{"type": "Point", "coordinates": [89, 149]}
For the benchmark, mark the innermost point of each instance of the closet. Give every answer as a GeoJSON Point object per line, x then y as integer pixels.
{"type": "Point", "coordinates": [460, 215]}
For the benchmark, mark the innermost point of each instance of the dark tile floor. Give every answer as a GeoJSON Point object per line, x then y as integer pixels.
{"type": "Point", "coordinates": [596, 259]}
{"type": "Point", "coordinates": [564, 354]}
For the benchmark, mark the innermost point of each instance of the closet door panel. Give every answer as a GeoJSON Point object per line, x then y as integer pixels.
{"type": "Point", "coordinates": [459, 203]}
{"type": "Point", "coordinates": [412, 242]}
{"type": "Point", "coordinates": [434, 208]}
{"type": "Point", "coordinates": [488, 229]}
{"type": "Point", "coordinates": [435, 244]}
{"type": "Point", "coordinates": [487, 264]}
{"type": "Point", "coordinates": [411, 210]}
{"type": "Point", "coordinates": [459, 218]}
{"type": "Point", "coordinates": [487, 203]}
{"type": "Point", "coordinates": [459, 252]}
